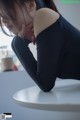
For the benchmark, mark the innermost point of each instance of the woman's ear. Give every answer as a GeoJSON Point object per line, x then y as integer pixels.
{"type": "Point", "coordinates": [31, 6]}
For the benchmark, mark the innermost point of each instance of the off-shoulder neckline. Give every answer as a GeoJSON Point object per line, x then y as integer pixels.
{"type": "Point", "coordinates": [53, 24]}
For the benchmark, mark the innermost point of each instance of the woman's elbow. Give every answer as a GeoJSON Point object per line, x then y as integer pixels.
{"type": "Point", "coordinates": [47, 86]}
{"type": "Point", "coordinates": [46, 89]}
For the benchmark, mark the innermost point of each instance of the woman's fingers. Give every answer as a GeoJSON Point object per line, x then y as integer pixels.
{"type": "Point", "coordinates": [27, 31]}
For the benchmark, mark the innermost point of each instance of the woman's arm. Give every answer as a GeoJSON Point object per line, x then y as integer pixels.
{"type": "Point", "coordinates": [21, 49]}
{"type": "Point", "coordinates": [28, 61]}
{"type": "Point", "coordinates": [49, 48]}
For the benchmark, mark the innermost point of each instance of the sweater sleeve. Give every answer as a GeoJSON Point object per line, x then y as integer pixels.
{"type": "Point", "coordinates": [49, 46]}
{"type": "Point", "coordinates": [22, 51]}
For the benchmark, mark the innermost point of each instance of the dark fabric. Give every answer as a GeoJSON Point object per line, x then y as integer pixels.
{"type": "Point", "coordinates": [40, 4]}
{"type": "Point", "coordinates": [58, 54]}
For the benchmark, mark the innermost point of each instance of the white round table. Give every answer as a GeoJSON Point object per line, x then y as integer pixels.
{"type": "Point", "coordinates": [65, 96]}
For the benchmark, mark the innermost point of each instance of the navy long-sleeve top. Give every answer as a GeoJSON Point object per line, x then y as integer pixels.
{"type": "Point", "coordinates": [58, 54]}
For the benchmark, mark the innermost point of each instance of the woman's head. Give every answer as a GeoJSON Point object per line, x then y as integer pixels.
{"type": "Point", "coordinates": [14, 13]}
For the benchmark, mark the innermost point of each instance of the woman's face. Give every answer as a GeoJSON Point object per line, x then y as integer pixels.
{"type": "Point", "coordinates": [24, 15]}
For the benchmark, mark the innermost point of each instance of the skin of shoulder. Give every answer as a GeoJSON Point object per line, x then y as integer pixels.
{"type": "Point", "coordinates": [43, 18]}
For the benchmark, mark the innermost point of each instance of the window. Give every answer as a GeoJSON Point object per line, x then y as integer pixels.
{"type": "Point", "coordinates": [5, 45]}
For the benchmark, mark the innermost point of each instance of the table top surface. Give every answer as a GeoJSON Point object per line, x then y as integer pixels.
{"type": "Point", "coordinates": [65, 96]}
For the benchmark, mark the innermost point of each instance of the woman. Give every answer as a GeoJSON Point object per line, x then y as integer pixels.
{"type": "Point", "coordinates": [58, 42]}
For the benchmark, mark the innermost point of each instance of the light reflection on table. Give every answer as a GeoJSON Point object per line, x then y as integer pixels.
{"type": "Point", "coordinates": [65, 96]}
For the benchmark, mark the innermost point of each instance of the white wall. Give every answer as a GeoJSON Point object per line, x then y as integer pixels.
{"type": "Point", "coordinates": [70, 11]}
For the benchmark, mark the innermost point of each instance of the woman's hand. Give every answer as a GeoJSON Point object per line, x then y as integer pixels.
{"type": "Point", "coordinates": [27, 32]}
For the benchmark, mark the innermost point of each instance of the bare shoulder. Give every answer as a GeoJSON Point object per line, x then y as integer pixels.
{"type": "Point", "coordinates": [43, 18]}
